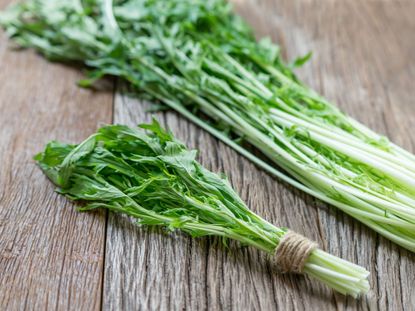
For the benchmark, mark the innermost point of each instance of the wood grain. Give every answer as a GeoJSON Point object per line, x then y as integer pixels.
{"type": "Point", "coordinates": [362, 64]}
{"type": "Point", "coordinates": [51, 257]}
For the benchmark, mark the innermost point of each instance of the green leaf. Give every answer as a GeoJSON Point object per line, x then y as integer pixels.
{"type": "Point", "coordinates": [298, 62]}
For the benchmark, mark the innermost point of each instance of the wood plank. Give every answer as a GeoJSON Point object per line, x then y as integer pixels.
{"type": "Point", "coordinates": [51, 257]}
{"type": "Point", "coordinates": [364, 61]}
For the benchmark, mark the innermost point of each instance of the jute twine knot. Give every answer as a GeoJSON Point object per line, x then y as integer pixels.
{"type": "Point", "coordinates": [292, 252]}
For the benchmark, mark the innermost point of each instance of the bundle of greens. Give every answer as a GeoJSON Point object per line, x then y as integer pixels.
{"type": "Point", "coordinates": [156, 179]}
{"type": "Point", "coordinates": [198, 58]}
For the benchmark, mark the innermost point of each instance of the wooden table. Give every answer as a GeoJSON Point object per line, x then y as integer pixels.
{"type": "Point", "coordinates": [56, 258]}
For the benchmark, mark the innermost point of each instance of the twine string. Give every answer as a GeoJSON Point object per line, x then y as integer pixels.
{"type": "Point", "coordinates": [293, 252]}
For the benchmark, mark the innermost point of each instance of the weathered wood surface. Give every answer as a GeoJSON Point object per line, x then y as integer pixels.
{"type": "Point", "coordinates": [52, 257]}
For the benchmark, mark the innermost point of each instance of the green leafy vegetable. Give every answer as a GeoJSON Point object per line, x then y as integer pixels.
{"type": "Point", "coordinates": [157, 180]}
{"type": "Point", "coordinates": [198, 58]}
{"type": "Point", "coordinates": [302, 60]}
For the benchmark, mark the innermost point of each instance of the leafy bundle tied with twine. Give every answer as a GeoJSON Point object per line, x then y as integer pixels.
{"type": "Point", "coordinates": [155, 179]}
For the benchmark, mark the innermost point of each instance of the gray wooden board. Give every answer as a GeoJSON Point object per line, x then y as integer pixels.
{"type": "Point", "coordinates": [52, 257]}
